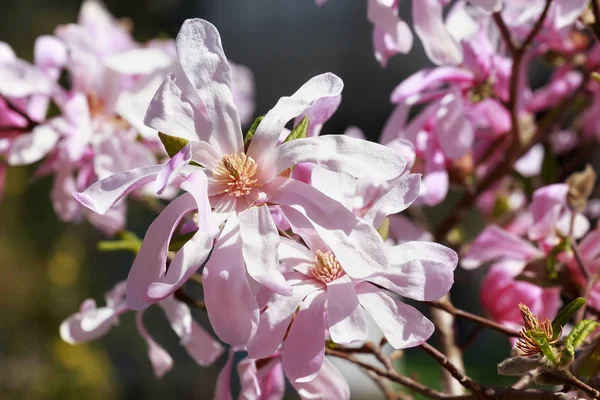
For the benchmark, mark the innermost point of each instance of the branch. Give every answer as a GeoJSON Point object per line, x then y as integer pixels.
{"type": "Point", "coordinates": [449, 308]}
{"type": "Point", "coordinates": [504, 32]}
{"type": "Point", "coordinates": [392, 375]}
{"type": "Point", "coordinates": [444, 324]}
{"type": "Point", "coordinates": [460, 376]}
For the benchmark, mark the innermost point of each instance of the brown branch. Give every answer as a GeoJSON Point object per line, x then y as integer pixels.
{"type": "Point", "coordinates": [452, 369]}
{"type": "Point", "coordinates": [449, 308]}
{"type": "Point", "coordinates": [584, 387]}
{"type": "Point", "coordinates": [504, 32]}
{"type": "Point", "coordinates": [390, 374]}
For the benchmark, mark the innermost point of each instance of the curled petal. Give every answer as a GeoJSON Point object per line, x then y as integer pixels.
{"type": "Point", "coordinates": [403, 325]}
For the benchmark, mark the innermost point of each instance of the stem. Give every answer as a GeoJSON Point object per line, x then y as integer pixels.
{"type": "Point", "coordinates": [449, 308]}
{"type": "Point", "coordinates": [444, 324]}
{"type": "Point", "coordinates": [390, 374]}
{"type": "Point", "coordinates": [452, 369]}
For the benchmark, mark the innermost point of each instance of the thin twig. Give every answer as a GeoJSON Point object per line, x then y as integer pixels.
{"type": "Point", "coordinates": [391, 375]}
{"type": "Point", "coordinates": [459, 375]}
{"type": "Point", "coordinates": [504, 32]}
{"type": "Point", "coordinates": [449, 308]}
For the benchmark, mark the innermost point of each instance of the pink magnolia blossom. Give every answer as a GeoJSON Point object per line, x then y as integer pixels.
{"type": "Point", "coordinates": [589, 249]}
{"type": "Point", "coordinates": [236, 183]}
{"type": "Point", "coordinates": [501, 295]}
{"type": "Point", "coordinates": [264, 380]}
{"type": "Point", "coordinates": [92, 322]}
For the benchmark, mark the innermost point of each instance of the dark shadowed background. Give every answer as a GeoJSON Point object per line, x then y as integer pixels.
{"type": "Point", "coordinates": [47, 268]}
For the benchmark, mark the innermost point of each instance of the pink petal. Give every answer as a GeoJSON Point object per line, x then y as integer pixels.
{"type": "Point", "coordinates": [319, 113]}
{"type": "Point", "coordinates": [402, 194]}
{"type": "Point", "coordinates": [89, 325]}
{"type": "Point", "coordinates": [339, 153]}
{"type": "Point", "coordinates": [329, 383]}
{"type": "Point", "coordinates": [345, 318]}
{"type": "Point", "coordinates": [32, 147]}
{"type": "Point", "coordinates": [268, 131]}
{"type": "Point", "coordinates": [171, 112]}
{"type": "Point", "coordinates": [429, 79]}
{"type": "Point", "coordinates": [172, 167]}
{"type": "Point", "coordinates": [150, 264]}
{"type": "Point", "coordinates": [403, 229]}
{"type": "Point", "coordinates": [275, 320]}
{"type": "Point", "coordinates": [337, 185]}
{"type": "Point", "coordinates": [102, 195]}
{"type": "Point", "coordinates": [403, 326]}
{"type": "Point", "coordinates": [429, 26]}
{"type": "Point", "coordinates": [419, 270]}
{"type": "Point", "coordinates": [304, 347]}
{"type": "Point", "coordinates": [223, 386]}
{"type": "Point", "coordinates": [201, 56]}
{"type": "Point", "coordinates": [159, 358]}
{"type": "Point", "coordinates": [260, 241]}
{"type": "Point", "coordinates": [231, 306]}
{"type": "Point", "coordinates": [453, 130]}
{"type": "Point", "coordinates": [494, 242]}
{"type": "Point", "coordinates": [356, 244]}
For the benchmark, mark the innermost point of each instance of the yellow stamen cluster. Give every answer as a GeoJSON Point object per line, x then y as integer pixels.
{"type": "Point", "coordinates": [236, 173]}
{"type": "Point", "coordinates": [532, 323]}
{"type": "Point", "coordinates": [326, 267]}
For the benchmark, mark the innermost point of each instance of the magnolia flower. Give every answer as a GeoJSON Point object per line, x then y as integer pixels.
{"type": "Point", "coordinates": [237, 181]}
{"type": "Point", "coordinates": [501, 295]}
{"type": "Point", "coordinates": [264, 379]}
{"type": "Point", "coordinates": [92, 322]}
{"type": "Point", "coordinates": [321, 281]}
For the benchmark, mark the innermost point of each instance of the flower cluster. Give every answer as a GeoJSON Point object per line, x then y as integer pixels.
{"type": "Point", "coordinates": [294, 237]}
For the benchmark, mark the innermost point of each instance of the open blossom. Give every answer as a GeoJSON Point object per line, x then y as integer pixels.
{"type": "Point", "coordinates": [331, 295]}
{"type": "Point", "coordinates": [234, 186]}
{"type": "Point", "coordinates": [92, 322]}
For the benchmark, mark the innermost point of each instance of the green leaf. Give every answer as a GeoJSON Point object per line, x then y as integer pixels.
{"type": "Point", "coordinates": [384, 228]}
{"type": "Point", "coordinates": [565, 315]}
{"type": "Point", "coordinates": [540, 339]}
{"type": "Point", "coordinates": [128, 241]}
{"type": "Point", "coordinates": [178, 241]}
{"type": "Point", "coordinates": [566, 357]}
{"type": "Point", "coordinates": [580, 332]}
{"type": "Point", "coordinates": [252, 129]}
{"type": "Point", "coordinates": [172, 144]}
{"type": "Point", "coordinates": [300, 131]}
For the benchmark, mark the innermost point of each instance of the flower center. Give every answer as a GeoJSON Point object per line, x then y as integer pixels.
{"type": "Point", "coordinates": [326, 267]}
{"type": "Point", "coordinates": [237, 173]}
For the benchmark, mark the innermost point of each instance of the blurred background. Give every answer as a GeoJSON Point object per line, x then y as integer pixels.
{"type": "Point", "coordinates": [48, 268]}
